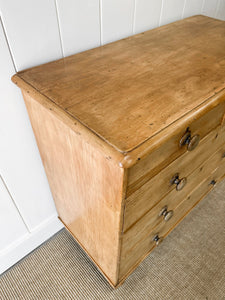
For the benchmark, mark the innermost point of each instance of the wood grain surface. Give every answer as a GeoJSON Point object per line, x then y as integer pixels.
{"type": "Point", "coordinates": [172, 200]}
{"type": "Point", "coordinates": [131, 259]}
{"type": "Point", "coordinates": [108, 123]}
{"type": "Point", "coordinates": [87, 187]}
{"type": "Point", "coordinates": [128, 91]}
{"type": "Point", "coordinates": [148, 167]}
{"type": "Point", "coordinates": [155, 189]}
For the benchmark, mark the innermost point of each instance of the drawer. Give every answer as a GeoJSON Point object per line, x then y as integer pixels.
{"type": "Point", "coordinates": [132, 256]}
{"type": "Point", "coordinates": [155, 189]}
{"type": "Point", "coordinates": [172, 200]}
{"type": "Point", "coordinates": [148, 167]}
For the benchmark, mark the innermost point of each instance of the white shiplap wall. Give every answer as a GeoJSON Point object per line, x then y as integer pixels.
{"type": "Point", "coordinates": [74, 15]}
{"type": "Point", "coordinates": [34, 32]}
{"type": "Point", "coordinates": [169, 14]}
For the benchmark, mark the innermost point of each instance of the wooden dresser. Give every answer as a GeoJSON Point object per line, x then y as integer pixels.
{"type": "Point", "coordinates": [132, 136]}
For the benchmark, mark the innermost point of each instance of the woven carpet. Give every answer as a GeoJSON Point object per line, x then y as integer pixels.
{"type": "Point", "coordinates": [189, 264]}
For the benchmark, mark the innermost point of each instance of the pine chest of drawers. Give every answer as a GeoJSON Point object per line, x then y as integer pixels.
{"type": "Point", "coordinates": [132, 136]}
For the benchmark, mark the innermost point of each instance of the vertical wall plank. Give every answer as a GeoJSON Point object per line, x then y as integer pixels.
{"type": "Point", "coordinates": [12, 227]}
{"type": "Point", "coordinates": [221, 10]}
{"type": "Point", "coordinates": [147, 15]}
{"type": "Point", "coordinates": [20, 163]}
{"type": "Point", "coordinates": [210, 8]}
{"type": "Point", "coordinates": [79, 25]}
{"type": "Point", "coordinates": [117, 19]}
{"type": "Point", "coordinates": [172, 11]}
{"type": "Point", "coordinates": [192, 7]}
{"type": "Point", "coordinates": [32, 31]}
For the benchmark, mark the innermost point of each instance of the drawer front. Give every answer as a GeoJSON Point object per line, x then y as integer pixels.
{"type": "Point", "coordinates": [132, 256]}
{"type": "Point", "coordinates": [171, 200]}
{"type": "Point", "coordinates": [155, 189]}
{"type": "Point", "coordinates": [145, 169]}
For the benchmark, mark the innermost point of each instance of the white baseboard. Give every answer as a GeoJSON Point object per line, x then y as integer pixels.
{"type": "Point", "coordinates": [29, 242]}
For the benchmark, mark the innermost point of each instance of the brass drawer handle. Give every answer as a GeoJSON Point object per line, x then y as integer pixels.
{"type": "Point", "coordinates": [158, 240]}
{"type": "Point", "coordinates": [167, 215]}
{"type": "Point", "coordinates": [191, 142]}
{"type": "Point", "coordinates": [180, 183]}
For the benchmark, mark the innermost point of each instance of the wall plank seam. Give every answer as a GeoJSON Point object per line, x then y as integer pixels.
{"type": "Point", "coordinates": [59, 28]}
{"type": "Point", "coordinates": [161, 12]}
{"type": "Point", "coordinates": [10, 195]}
{"type": "Point", "coordinates": [7, 41]}
{"type": "Point", "coordinates": [100, 22]}
{"type": "Point", "coordinates": [185, 2]}
{"type": "Point", "coordinates": [134, 16]}
{"type": "Point", "coordinates": [203, 5]}
{"type": "Point", "coordinates": [217, 8]}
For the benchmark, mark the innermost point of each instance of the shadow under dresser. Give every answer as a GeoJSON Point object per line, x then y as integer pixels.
{"type": "Point", "coordinates": [132, 136]}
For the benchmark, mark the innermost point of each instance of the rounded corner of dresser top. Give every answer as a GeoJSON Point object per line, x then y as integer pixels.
{"type": "Point", "coordinates": [14, 78]}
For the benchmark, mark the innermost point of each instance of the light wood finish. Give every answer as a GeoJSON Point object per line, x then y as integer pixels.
{"type": "Point", "coordinates": [69, 121]}
{"type": "Point", "coordinates": [86, 186]}
{"type": "Point", "coordinates": [149, 194]}
{"type": "Point", "coordinates": [108, 124]}
{"type": "Point", "coordinates": [155, 142]}
{"type": "Point", "coordinates": [199, 124]}
{"type": "Point", "coordinates": [172, 200]}
{"type": "Point", "coordinates": [131, 81]}
{"type": "Point", "coordinates": [130, 260]}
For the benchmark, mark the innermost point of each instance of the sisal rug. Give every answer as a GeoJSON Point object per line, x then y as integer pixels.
{"type": "Point", "coordinates": [189, 264]}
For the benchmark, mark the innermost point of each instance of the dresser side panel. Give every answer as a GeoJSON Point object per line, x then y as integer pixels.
{"type": "Point", "coordinates": [87, 187]}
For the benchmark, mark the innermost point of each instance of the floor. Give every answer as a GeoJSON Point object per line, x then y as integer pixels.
{"type": "Point", "coordinates": [189, 264]}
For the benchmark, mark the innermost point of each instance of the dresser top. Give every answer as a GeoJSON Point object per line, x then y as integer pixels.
{"type": "Point", "coordinates": [128, 91]}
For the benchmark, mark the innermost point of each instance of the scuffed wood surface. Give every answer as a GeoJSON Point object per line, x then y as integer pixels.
{"type": "Point", "coordinates": [128, 91]}
{"type": "Point", "coordinates": [87, 187]}
{"type": "Point", "coordinates": [131, 258]}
